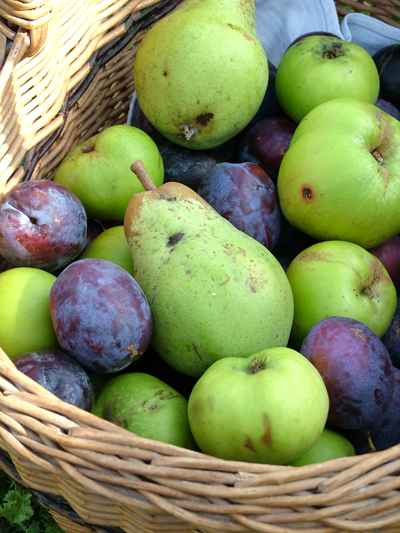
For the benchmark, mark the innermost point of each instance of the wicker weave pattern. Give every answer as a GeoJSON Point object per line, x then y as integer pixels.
{"type": "Point", "coordinates": [33, 89]}
{"type": "Point", "coordinates": [68, 74]}
{"type": "Point", "coordinates": [387, 10]}
{"type": "Point", "coordinates": [111, 477]}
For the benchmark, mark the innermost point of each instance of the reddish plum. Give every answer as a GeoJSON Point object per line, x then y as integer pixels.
{"type": "Point", "coordinates": [100, 314]}
{"type": "Point", "coordinates": [246, 196]}
{"type": "Point", "coordinates": [267, 142]}
{"type": "Point", "coordinates": [389, 254]}
{"type": "Point", "coordinates": [59, 374]}
{"type": "Point", "coordinates": [42, 225]}
{"type": "Point", "coordinates": [356, 369]}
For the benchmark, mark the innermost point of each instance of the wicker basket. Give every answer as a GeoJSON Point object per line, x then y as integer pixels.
{"type": "Point", "coordinates": [67, 72]}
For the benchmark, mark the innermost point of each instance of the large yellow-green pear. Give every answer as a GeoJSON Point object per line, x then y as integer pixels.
{"type": "Point", "coordinates": [98, 170]}
{"type": "Point", "coordinates": [201, 73]}
{"type": "Point", "coordinates": [213, 290]}
{"type": "Point", "coordinates": [25, 320]}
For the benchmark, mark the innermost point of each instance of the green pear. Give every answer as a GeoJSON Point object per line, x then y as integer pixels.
{"type": "Point", "coordinates": [25, 320]}
{"type": "Point", "coordinates": [201, 73]}
{"type": "Point", "coordinates": [213, 290]}
{"type": "Point", "coordinates": [111, 244]}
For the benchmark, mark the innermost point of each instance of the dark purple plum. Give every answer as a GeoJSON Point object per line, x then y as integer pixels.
{"type": "Point", "coordinates": [244, 194]}
{"type": "Point", "coordinates": [389, 254]}
{"type": "Point", "coordinates": [356, 369]}
{"type": "Point", "coordinates": [267, 142]}
{"type": "Point", "coordinates": [59, 374]}
{"type": "Point", "coordinates": [270, 106]}
{"type": "Point", "coordinates": [308, 34]}
{"type": "Point", "coordinates": [391, 337]}
{"type": "Point", "coordinates": [100, 315]}
{"type": "Point", "coordinates": [94, 228]}
{"type": "Point", "coordinates": [387, 61]}
{"type": "Point", "coordinates": [388, 107]}
{"type": "Point", "coordinates": [186, 166]}
{"type": "Point", "coordinates": [291, 242]}
{"type": "Point", "coordinates": [139, 120]}
{"type": "Point", "coordinates": [42, 225]}
{"type": "Point", "coordinates": [385, 432]}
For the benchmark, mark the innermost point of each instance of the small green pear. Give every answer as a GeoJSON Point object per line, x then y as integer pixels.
{"type": "Point", "coordinates": [201, 72]}
{"type": "Point", "coordinates": [213, 290]}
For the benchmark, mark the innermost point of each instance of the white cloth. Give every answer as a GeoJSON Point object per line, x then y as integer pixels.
{"type": "Point", "coordinates": [279, 22]}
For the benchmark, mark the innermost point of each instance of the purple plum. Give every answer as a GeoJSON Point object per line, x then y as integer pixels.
{"type": "Point", "coordinates": [383, 433]}
{"type": "Point", "coordinates": [388, 107]}
{"type": "Point", "coordinates": [391, 337]}
{"type": "Point", "coordinates": [100, 315]}
{"type": "Point", "coordinates": [389, 254]}
{"type": "Point", "coordinates": [244, 194]}
{"type": "Point", "coordinates": [59, 374]}
{"type": "Point", "coordinates": [356, 369]}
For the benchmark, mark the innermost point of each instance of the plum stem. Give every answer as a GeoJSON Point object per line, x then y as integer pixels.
{"type": "Point", "coordinates": [370, 443]}
{"type": "Point", "coordinates": [143, 176]}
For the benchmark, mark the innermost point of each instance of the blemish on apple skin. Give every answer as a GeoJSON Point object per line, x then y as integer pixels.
{"type": "Point", "coordinates": [266, 438]}
{"type": "Point", "coordinates": [249, 445]}
{"type": "Point", "coordinates": [307, 193]}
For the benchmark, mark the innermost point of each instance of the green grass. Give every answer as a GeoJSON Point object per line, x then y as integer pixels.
{"type": "Point", "coordinates": [20, 511]}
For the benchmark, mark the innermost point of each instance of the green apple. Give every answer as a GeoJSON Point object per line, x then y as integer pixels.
{"type": "Point", "coordinates": [111, 244]}
{"type": "Point", "coordinates": [146, 406]}
{"type": "Point", "coordinates": [319, 68]}
{"type": "Point", "coordinates": [340, 177]}
{"type": "Point", "coordinates": [330, 445]}
{"type": "Point", "coordinates": [339, 278]}
{"type": "Point", "coordinates": [98, 170]}
{"type": "Point", "coordinates": [25, 320]}
{"type": "Point", "coordinates": [270, 407]}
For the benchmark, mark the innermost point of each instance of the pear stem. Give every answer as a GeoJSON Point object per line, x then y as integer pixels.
{"type": "Point", "coordinates": [139, 169]}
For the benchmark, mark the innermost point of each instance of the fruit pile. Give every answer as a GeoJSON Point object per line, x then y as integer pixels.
{"type": "Point", "coordinates": [222, 274]}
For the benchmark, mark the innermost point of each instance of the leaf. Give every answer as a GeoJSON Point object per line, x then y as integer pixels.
{"type": "Point", "coordinates": [17, 505]}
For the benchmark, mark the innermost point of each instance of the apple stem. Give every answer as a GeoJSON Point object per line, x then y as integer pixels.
{"type": "Point", "coordinates": [139, 169]}
{"type": "Point", "coordinates": [257, 365]}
